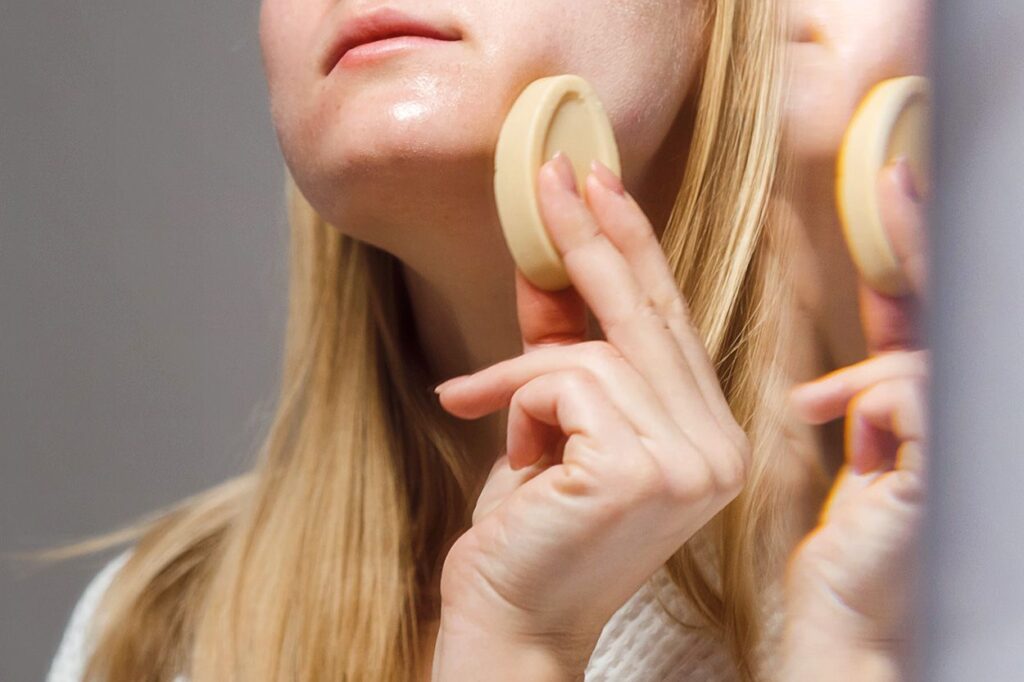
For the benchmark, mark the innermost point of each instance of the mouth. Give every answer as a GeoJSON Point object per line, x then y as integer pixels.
{"type": "Point", "coordinates": [380, 25]}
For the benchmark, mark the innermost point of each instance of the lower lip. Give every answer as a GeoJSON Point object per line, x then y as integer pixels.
{"type": "Point", "coordinates": [368, 52]}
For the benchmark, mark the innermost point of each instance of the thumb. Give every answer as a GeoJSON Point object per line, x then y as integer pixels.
{"type": "Point", "coordinates": [891, 322]}
{"type": "Point", "coordinates": [549, 317]}
{"type": "Point", "coordinates": [902, 208]}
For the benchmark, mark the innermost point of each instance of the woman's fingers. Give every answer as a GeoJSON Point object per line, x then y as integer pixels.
{"type": "Point", "coordinates": [624, 223]}
{"type": "Point", "coordinates": [568, 403]}
{"type": "Point", "coordinates": [827, 397]}
{"type": "Point", "coordinates": [626, 313]}
{"type": "Point", "coordinates": [603, 456]}
{"type": "Point", "coordinates": [502, 481]}
{"type": "Point", "coordinates": [492, 388]}
{"type": "Point", "coordinates": [882, 419]}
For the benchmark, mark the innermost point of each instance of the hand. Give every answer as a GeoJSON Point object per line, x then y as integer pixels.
{"type": "Point", "coordinates": [618, 450]}
{"type": "Point", "coordinates": [854, 574]}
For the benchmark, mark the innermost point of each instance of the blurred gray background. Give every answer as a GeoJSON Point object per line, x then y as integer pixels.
{"type": "Point", "coordinates": [142, 277]}
{"type": "Point", "coordinates": [142, 274]}
{"type": "Point", "coordinates": [972, 619]}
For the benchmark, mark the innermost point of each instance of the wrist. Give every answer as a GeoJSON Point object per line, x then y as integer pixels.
{"type": "Point", "coordinates": [468, 650]}
{"type": "Point", "coordinates": [817, 656]}
{"type": "Point", "coordinates": [822, 642]}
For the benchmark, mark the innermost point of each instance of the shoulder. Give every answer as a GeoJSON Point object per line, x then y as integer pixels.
{"type": "Point", "coordinates": [69, 661]}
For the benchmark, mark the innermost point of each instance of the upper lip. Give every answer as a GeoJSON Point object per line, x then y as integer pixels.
{"type": "Point", "coordinates": [385, 22]}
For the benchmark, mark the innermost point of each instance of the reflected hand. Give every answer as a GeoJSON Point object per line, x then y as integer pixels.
{"type": "Point", "coordinates": [855, 571]}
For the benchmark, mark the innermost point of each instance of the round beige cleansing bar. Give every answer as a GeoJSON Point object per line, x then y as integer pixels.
{"type": "Point", "coordinates": [556, 113]}
{"type": "Point", "coordinates": [891, 122]}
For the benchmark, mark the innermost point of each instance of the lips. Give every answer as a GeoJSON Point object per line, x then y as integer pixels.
{"type": "Point", "coordinates": [379, 25]}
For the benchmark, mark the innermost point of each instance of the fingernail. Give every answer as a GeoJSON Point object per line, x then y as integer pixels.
{"type": "Point", "coordinates": [447, 384]}
{"type": "Point", "coordinates": [566, 173]}
{"type": "Point", "coordinates": [905, 176]}
{"type": "Point", "coordinates": [606, 177]}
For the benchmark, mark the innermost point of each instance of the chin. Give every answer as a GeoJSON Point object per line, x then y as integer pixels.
{"type": "Point", "coordinates": [390, 174]}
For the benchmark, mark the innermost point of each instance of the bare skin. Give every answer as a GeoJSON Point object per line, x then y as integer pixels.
{"type": "Point", "coordinates": [829, 333]}
{"type": "Point", "coordinates": [416, 115]}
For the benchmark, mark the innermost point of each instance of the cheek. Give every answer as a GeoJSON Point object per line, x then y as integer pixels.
{"type": "Point", "coordinates": [275, 34]}
{"type": "Point", "coordinates": [646, 91]}
{"type": "Point", "coordinates": [881, 40]}
{"type": "Point", "coordinates": [642, 59]}
{"type": "Point", "coordinates": [866, 42]}
{"type": "Point", "coordinates": [640, 55]}
{"type": "Point", "coordinates": [288, 41]}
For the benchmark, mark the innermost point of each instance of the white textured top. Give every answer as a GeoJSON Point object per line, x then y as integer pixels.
{"type": "Point", "coordinates": [641, 642]}
{"type": "Point", "coordinates": [69, 663]}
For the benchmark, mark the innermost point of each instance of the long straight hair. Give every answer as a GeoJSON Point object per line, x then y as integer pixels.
{"type": "Point", "coordinates": [316, 565]}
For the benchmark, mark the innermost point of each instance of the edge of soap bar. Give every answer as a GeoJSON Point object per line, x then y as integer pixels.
{"type": "Point", "coordinates": [517, 161]}
{"type": "Point", "coordinates": [865, 151]}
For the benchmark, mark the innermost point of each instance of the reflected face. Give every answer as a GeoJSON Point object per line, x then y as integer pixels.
{"type": "Point", "coordinates": [393, 133]}
{"type": "Point", "coordinates": [838, 50]}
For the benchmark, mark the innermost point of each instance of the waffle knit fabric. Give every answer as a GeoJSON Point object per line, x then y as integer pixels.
{"type": "Point", "coordinates": [642, 642]}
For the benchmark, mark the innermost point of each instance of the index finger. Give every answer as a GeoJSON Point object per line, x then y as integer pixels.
{"type": "Point", "coordinates": [625, 312]}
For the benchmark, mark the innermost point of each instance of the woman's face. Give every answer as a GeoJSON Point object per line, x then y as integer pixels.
{"type": "Point", "coordinates": [378, 142]}
{"type": "Point", "coordinates": [839, 49]}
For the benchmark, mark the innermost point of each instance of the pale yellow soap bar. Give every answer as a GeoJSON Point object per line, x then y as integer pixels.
{"type": "Point", "coordinates": [891, 122]}
{"type": "Point", "coordinates": [556, 113]}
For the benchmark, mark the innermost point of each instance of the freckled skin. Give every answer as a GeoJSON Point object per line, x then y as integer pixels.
{"type": "Point", "coordinates": [388, 150]}
{"type": "Point", "coordinates": [839, 49]}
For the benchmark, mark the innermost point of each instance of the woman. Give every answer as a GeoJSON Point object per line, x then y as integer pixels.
{"type": "Point", "coordinates": [381, 536]}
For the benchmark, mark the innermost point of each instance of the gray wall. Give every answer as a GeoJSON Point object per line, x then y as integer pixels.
{"type": "Point", "coordinates": [142, 275]}
{"type": "Point", "coordinates": [973, 599]}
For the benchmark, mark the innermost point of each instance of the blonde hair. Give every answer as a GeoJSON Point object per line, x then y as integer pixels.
{"type": "Point", "coordinates": [316, 564]}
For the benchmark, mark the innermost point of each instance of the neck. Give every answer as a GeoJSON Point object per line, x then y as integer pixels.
{"type": "Point", "coordinates": [826, 278]}
{"type": "Point", "coordinates": [462, 288]}
{"type": "Point", "coordinates": [827, 332]}
{"type": "Point", "coordinates": [465, 316]}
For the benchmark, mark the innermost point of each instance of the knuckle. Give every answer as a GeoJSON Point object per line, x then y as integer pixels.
{"type": "Point", "coordinates": [676, 308]}
{"type": "Point", "coordinates": [646, 478]}
{"type": "Point", "coordinates": [731, 454]}
{"type": "Point", "coordinates": [740, 441]}
{"type": "Point", "coordinates": [641, 311]}
{"type": "Point", "coordinates": [578, 479]}
{"type": "Point", "coordinates": [577, 381]}
{"type": "Point", "coordinates": [737, 458]}
{"type": "Point", "coordinates": [691, 482]}
{"type": "Point", "coordinates": [733, 473]}
{"type": "Point", "coordinates": [520, 395]}
{"type": "Point", "coordinates": [599, 353]}
{"type": "Point", "coordinates": [645, 309]}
